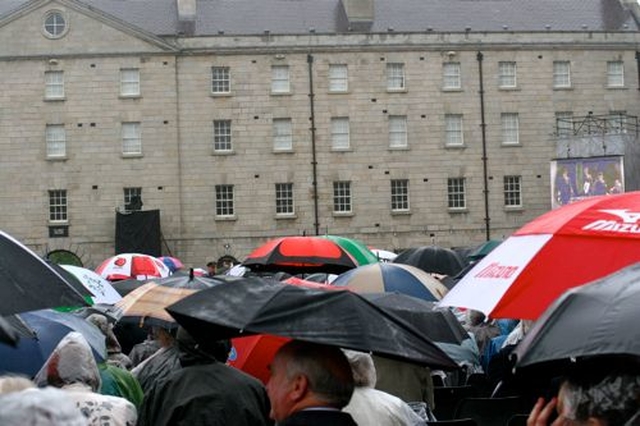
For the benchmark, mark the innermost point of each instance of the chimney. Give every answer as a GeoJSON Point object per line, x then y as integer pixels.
{"type": "Point", "coordinates": [359, 14]}
{"type": "Point", "coordinates": [186, 17]}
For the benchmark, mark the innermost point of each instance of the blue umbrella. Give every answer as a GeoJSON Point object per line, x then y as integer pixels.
{"type": "Point", "coordinates": [49, 327]}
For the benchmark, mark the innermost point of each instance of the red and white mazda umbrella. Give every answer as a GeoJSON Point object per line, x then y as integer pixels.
{"type": "Point", "coordinates": [561, 249]}
{"type": "Point", "coordinates": [132, 265]}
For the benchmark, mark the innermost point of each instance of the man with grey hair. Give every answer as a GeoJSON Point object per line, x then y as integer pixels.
{"type": "Point", "coordinates": [310, 384]}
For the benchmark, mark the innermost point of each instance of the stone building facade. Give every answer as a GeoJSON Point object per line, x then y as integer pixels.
{"type": "Point", "coordinates": [365, 123]}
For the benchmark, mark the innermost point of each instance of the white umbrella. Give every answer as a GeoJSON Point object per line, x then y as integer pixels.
{"type": "Point", "coordinates": [101, 290]}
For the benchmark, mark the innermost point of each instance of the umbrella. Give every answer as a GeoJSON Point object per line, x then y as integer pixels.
{"type": "Point", "coordinates": [593, 320]}
{"type": "Point", "coordinates": [100, 290]}
{"type": "Point", "coordinates": [174, 264]}
{"type": "Point", "coordinates": [146, 304]}
{"type": "Point", "coordinates": [357, 249]}
{"type": "Point", "coordinates": [132, 265]}
{"type": "Point", "coordinates": [49, 327]}
{"type": "Point", "coordinates": [339, 318]}
{"type": "Point", "coordinates": [8, 334]}
{"type": "Point", "coordinates": [253, 354]}
{"type": "Point", "coordinates": [384, 255]}
{"type": "Point", "coordinates": [124, 287]}
{"type": "Point", "coordinates": [564, 248]}
{"type": "Point", "coordinates": [28, 282]}
{"type": "Point", "coordinates": [432, 259]}
{"type": "Point", "coordinates": [392, 277]}
{"type": "Point", "coordinates": [300, 255]}
{"type": "Point", "coordinates": [482, 250]}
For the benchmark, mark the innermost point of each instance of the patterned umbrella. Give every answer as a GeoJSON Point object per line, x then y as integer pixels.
{"type": "Point", "coordinates": [132, 265]}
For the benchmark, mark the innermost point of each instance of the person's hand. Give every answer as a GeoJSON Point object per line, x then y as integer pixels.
{"type": "Point", "coordinates": [541, 413]}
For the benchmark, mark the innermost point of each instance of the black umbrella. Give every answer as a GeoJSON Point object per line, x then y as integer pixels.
{"type": "Point", "coordinates": [29, 283]}
{"type": "Point", "coordinates": [440, 325]}
{"type": "Point", "coordinates": [594, 320]}
{"type": "Point", "coordinates": [433, 259]}
{"type": "Point", "coordinates": [339, 318]}
{"type": "Point", "coordinates": [8, 334]}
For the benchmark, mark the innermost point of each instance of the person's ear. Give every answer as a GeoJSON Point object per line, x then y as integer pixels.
{"type": "Point", "coordinates": [300, 385]}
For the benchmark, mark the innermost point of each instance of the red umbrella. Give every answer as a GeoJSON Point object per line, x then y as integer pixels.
{"type": "Point", "coordinates": [298, 255]}
{"type": "Point", "coordinates": [132, 265]}
{"type": "Point", "coordinates": [561, 249]}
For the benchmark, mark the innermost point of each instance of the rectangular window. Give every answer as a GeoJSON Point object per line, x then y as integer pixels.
{"type": "Point", "coordinates": [131, 139]}
{"type": "Point", "coordinates": [615, 74]}
{"type": "Point", "coordinates": [222, 136]}
{"type": "Point", "coordinates": [54, 84]}
{"type": "Point", "coordinates": [284, 199]}
{"type": "Point", "coordinates": [453, 130]}
{"type": "Point", "coordinates": [513, 191]}
{"type": "Point", "coordinates": [56, 140]}
{"type": "Point", "coordinates": [342, 197]}
{"type": "Point", "coordinates": [395, 76]}
{"type": "Point", "coordinates": [340, 133]}
{"type": "Point", "coordinates": [280, 79]}
{"type": "Point", "coordinates": [133, 199]}
{"type": "Point", "coordinates": [564, 124]}
{"type": "Point", "coordinates": [510, 128]}
{"type": "Point", "coordinates": [399, 195]}
{"type": "Point", "coordinates": [224, 201]}
{"type": "Point", "coordinates": [507, 75]}
{"type": "Point", "coordinates": [58, 207]}
{"type": "Point", "coordinates": [129, 82]}
{"type": "Point", "coordinates": [561, 74]}
{"type": "Point", "coordinates": [282, 134]}
{"type": "Point", "coordinates": [397, 131]}
{"type": "Point", "coordinates": [451, 76]}
{"type": "Point", "coordinates": [456, 198]}
{"type": "Point", "coordinates": [338, 78]}
{"type": "Point", "coordinates": [617, 122]}
{"type": "Point", "coordinates": [220, 81]}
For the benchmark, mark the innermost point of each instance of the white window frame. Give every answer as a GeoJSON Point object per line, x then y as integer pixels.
{"type": "Point", "coordinates": [285, 205]}
{"type": "Point", "coordinates": [130, 192]}
{"type": "Point", "coordinates": [398, 131]}
{"type": "Point", "coordinates": [338, 78]}
{"type": "Point", "coordinates": [396, 80]}
{"type": "Point", "coordinates": [456, 193]}
{"type": "Point", "coordinates": [512, 191]}
{"type": "Point", "coordinates": [342, 202]}
{"type": "Point", "coordinates": [564, 124]}
{"type": "Point", "coordinates": [454, 130]}
{"type": "Point", "coordinates": [220, 80]}
{"type": "Point", "coordinates": [510, 128]}
{"type": "Point", "coordinates": [400, 195]}
{"type": "Point", "coordinates": [615, 74]}
{"type": "Point", "coordinates": [222, 140]}
{"type": "Point", "coordinates": [54, 85]}
{"type": "Point", "coordinates": [561, 74]}
{"type": "Point", "coordinates": [282, 134]}
{"type": "Point", "coordinates": [58, 206]}
{"type": "Point", "coordinates": [280, 79]}
{"type": "Point", "coordinates": [225, 207]}
{"type": "Point", "coordinates": [131, 138]}
{"type": "Point", "coordinates": [507, 75]}
{"type": "Point", "coordinates": [451, 76]}
{"type": "Point", "coordinates": [340, 134]}
{"type": "Point", "coordinates": [56, 141]}
{"type": "Point", "coordinates": [54, 24]}
{"type": "Point", "coordinates": [129, 82]}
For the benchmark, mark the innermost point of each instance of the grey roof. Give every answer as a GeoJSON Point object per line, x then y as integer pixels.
{"type": "Point", "coordinates": [327, 16]}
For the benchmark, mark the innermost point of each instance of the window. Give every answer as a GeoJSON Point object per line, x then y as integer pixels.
{"type": "Point", "coordinates": [507, 75]}
{"type": "Point", "coordinates": [55, 25]}
{"type": "Point", "coordinates": [284, 199]}
{"type": "Point", "coordinates": [280, 79]}
{"type": "Point", "coordinates": [451, 76]}
{"type": "Point", "coordinates": [56, 141]}
{"type": "Point", "coordinates": [510, 128]}
{"type": "Point", "coordinates": [133, 199]}
{"type": "Point", "coordinates": [224, 201]}
{"type": "Point", "coordinates": [564, 124]}
{"type": "Point", "coordinates": [220, 81]}
{"type": "Point", "coordinates": [54, 84]}
{"type": "Point", "coordinates": [453, 130]}
{"type": "Point", "coordinates": [561, 74]}
{"type": "Point", "coordinates": [456, 193]}
{"type": "Point", "coordinates": [282, 135]}
{"type": "Point", "coordinates": [338, 78]}
{"type": "Point", "coordinates": [131, 139]}
{"type": "Point", "coordinates": [395, 76]}
{"type": "Point", "coordinates": [615, 74]}
{"type": "Point", "coordinates": [222, 136]}
{"type": "Point", "coordinates": [129, 82]}
{"type": "Point", "coordinates": [58, 205]}
{"type": "Point", "coordinates": [397, 131]}
{"type": "Point", "coordinates": [342, 197]}
{"type": "Point", "coordinates": [340, 133]}
{"type": "Point", "coordinates": [512, 191]}
{"type": "Point", "coordinates": [617, 122]}
{"type": "Point", "coordinates": [399, 195]}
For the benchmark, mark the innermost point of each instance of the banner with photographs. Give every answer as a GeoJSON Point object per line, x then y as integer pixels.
{"type": "Point", "coordinates": [574, 179]}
